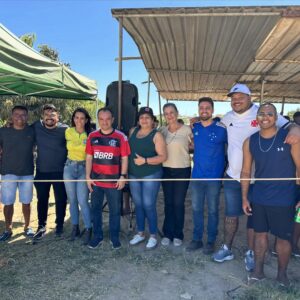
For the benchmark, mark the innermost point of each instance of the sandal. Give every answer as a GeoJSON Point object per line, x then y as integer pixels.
{"type": "Point", "coordinates": [253, 279]}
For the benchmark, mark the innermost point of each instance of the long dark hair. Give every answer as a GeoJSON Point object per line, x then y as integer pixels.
{"type": "Point", "coordinates": [87, 126]}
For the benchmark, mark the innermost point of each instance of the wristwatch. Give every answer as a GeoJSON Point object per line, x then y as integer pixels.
{"type": "Point", "coordinates": [124, 175]}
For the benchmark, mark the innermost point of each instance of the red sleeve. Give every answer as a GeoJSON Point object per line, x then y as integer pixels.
{"type": "Point", "coordinates": [125, 149]}
{"type": "Point", "coordinates": [88, 147]}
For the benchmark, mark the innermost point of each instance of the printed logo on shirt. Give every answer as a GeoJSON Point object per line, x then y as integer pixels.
{"type": "Point", "coordinates": [112, 143]}
{"type": "Point", "coordinates": [212, 136]}
{"type": "Point", "coordinates": [280, 149]}
{"type": "Point", "coordinates": [84, 141]}
{"type": "Point", "coordinates": [254, 123]}
{"type": "Point", "coordinates": [103, 155]}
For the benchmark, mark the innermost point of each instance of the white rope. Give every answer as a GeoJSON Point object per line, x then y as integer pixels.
{"type": "Point", "coordinates": [154, 179]}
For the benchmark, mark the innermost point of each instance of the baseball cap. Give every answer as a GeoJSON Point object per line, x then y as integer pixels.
{"type": "Point", "coordinates": [146, 110]}
{"type": "Point", "coordinates": [239, 88]}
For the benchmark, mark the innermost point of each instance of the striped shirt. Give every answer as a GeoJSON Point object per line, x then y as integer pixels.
{"type": "Point", "coordinates": [107, 151]}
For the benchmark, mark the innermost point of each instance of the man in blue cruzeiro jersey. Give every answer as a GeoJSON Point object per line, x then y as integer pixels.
{"type": "Point", "coordinates": [209, 162]}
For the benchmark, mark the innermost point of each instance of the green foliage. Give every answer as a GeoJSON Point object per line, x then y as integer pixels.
{"type": "Point", "coordinates": [34, 105]}
{"type": "Point", "coordinates": [28, 38]}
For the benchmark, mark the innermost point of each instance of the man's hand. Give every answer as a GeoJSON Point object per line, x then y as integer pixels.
{"type": "Point", "coordinates": [247, 208]}
{"type": "Point", "coordinates": [293, 136]}
{"type": "Point", "coordinates": [193, 121]}
{"type": "Point", "coordinates": [90, 184]}
{"type": "Point", "coordinates": [120, 183]}
{"type": "Point", "coordinates": [139, 160]}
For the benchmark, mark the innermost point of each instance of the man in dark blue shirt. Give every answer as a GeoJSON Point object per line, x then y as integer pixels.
{"type": "Point", "coordinates": [51, 157]}
{"type": "Point", "coordinates": [17, 142]}
{"type": "Point", "coordinates": [272, 202]}
{"type": "Point", "coordinates": [209, 162]}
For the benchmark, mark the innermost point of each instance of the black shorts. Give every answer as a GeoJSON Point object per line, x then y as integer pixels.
{"type": "Point", "coordinates": [279, 220]}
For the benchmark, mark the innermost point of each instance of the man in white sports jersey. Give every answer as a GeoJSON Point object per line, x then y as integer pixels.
{"type": "Point", "coordinates": [240, 123]}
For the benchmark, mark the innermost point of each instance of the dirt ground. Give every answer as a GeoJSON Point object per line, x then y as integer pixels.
{"type": "Point", "coordinates": [55, 268]}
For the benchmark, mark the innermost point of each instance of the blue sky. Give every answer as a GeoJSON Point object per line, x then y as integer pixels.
{"type": "Point", "coordinates": [86, 35]}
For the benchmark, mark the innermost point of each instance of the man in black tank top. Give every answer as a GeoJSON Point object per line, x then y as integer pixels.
{"type": "Point", "coordinates": [272, 203]}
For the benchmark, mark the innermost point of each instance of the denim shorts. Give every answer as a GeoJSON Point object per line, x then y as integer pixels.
{"type": "Point", "coordinates": [233, 198]}
{"type": "Point", "coordinates": [9, 189]}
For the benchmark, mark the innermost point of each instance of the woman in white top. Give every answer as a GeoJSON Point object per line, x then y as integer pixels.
{"type": "Point", "coordinates": [178, 165]}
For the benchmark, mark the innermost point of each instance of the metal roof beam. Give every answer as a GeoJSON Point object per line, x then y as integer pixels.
{"type": "Point", "coordinates": [211, 72]}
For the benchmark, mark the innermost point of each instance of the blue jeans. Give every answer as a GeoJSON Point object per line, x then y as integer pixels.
{"type": "Point", "coordinates": [77, 192]}
{"type": "Point", "coordinates": [210, 191]}
{"type": "Point", "coordinates": [9, 189]}
{"type": "Point", "coordinates": [144, 195]}
{"type": "Point", "coordinates": [113, 197]}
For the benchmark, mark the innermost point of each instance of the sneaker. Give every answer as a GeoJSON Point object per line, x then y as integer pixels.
{"type": "Point", "coordinates": [165, 242]}
{"type": "Point", "coordinates": [41, 231]}
{"type": "Point", "coordinates": [116, 245]}
{"type": "Point", "coordinates": [74, 233]}
{"type": "Point", "coordinates": [152, 243]}
{"type": "Point", "coordinates": [177, 242]}
{"type": "Point", "coordinates": [29, 232]}
{"type": "Point", "coordinates": [249, 260]}
{"type": "Point", "coordinates": [96, 242]}
{"type": "Point", "coordinates": [137, 239]}
{"type": "Point", "coordinates": [209, 248]}
{"type": "Point", "coordinates": [59, 231]}
{"type": "Point", "coordinates": [274, 253]}
{"type": "Point", "coordinates": [223, 254]}
{"type": "Point", "coordinates": [5, 235]}
{"type": "Point", "coordinates": [86, 236]}
{"type": "Point", "coordinates": [194, 245]}
{"type": "Point", "coordinates": [296, 253]}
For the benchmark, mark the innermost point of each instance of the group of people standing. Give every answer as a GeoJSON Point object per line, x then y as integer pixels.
{"type": "Point", "coordinates": [105, 159]}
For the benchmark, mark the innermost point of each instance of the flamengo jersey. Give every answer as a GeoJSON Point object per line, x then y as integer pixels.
{"type": "Point", "coordinates": [239, 128]}
{"type": "Point", "coordinates": [107, 151]}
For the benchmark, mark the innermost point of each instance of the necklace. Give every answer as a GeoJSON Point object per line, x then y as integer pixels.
{"type": "Point", "coordinates": [173, 136]}
{"type": "Point", "coordinates": [267, 150]}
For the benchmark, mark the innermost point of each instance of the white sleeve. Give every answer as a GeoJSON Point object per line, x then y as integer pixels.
{"type": "Point", "coordinates": [281, 121]}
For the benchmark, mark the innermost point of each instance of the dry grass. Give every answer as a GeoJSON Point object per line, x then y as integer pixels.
{"type": "Point", "coordinates": [57, 269]}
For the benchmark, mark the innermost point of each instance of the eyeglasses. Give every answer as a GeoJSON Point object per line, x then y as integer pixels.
{"type": "Point", "coordinates": [268, 114]}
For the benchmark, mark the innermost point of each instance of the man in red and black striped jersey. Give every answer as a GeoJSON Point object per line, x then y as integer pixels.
{"type": "Point", "coordinates": [107, 158]}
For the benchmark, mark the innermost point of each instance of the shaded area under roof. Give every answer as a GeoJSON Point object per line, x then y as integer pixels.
{"type": "Point", "coordinates": [196, 52]}
{"type": "Point", "coordinates": [26, 72]}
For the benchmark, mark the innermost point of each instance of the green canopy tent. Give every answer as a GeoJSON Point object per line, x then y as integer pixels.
{"type": "Point", "coordinates": [25, 72]}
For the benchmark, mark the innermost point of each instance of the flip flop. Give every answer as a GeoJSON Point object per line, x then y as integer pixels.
{"type": "Point", "coordinates": [253, 279]}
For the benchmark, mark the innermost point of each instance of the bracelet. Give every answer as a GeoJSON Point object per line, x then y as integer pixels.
{"type": "Point", "coordinates": [124, 175]}
{"type": "Point", "coordinates": [146, 161]}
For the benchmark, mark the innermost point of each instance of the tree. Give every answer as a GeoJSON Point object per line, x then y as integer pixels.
{"type": "Point", "coordinates": [28, 38]}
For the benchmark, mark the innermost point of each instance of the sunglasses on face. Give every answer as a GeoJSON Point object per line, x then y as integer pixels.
{"type": "Point", "coordinates": [268, 114]}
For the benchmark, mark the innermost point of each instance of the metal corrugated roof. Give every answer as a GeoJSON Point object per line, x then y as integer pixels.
{"type": "Point", "coordinates": [195, 52]}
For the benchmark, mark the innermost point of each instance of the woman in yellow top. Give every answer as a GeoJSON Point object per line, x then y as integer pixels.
{"type": "Point", "coordinates": [77, 192]}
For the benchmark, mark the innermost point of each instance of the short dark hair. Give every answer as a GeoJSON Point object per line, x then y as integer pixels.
{"type": "Point", "coordinates": [105, 109]}
{"type": "Point", "coordinates": [49, 107]}
{"type": "Point", "coordinates": [296, 114]}
{"type": "Point", "coordinates": [21, 107]}
{"type": "Point", "coordinates": [206, 99]}
{"type": "Point", "coordinates": [170, 105]}
{"type": "Point", "coordinates": [267, 104]}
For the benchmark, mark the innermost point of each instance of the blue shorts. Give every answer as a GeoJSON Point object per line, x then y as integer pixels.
{"type": "Point", "coordinates": [9, 189]}
{"type": "Point", "coordinates": [233, 198]}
